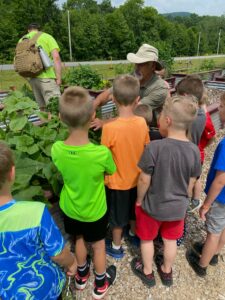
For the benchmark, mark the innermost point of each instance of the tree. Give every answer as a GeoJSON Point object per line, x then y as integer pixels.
{"type": "Point", "coordinates": [121, 38]}
{"type": "Point", "coordinates": [106, 7]}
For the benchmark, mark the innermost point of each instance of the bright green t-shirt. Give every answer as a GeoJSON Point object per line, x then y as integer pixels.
{"type": "Point", "coordinates": [83, 167]}
{"type": "Point", "coordinates": [48, 43]}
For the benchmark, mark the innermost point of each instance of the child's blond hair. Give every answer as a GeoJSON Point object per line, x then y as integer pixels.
{"type": "Point", "coordinates": [144, 110]}
{"type": "Point", "coordinates": [182, 110]}
{"type": "Point", "coordinates": [126, 89]}
{"type": "Point", "coordinates": [76, 107]}
{"type": "Point", "coordinates": [6, 162]}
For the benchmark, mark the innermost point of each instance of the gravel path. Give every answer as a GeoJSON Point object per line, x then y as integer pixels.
{"type": "Point", "coordinates": [186, 284]}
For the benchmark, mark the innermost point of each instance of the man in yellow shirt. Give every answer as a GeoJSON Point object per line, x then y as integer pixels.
{"type": "Point", "coordinates": [46, 84]}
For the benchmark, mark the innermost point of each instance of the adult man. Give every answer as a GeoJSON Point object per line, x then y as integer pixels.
{"type": "Point", "coordinates": [46, 84]}
{"type": "Point", "coordinates": [153, 90]}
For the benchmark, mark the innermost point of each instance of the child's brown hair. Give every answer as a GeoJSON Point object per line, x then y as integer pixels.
{"type": "Point", "coordinates": [144, 110]}
{"type": "Point", "coordinates": [6, 162]}
{"type": "Point", "coordinates": [76, 107]}
{"type": "Point", "coordinates": [126, 89]}
{"type": "Point", "coordinates": [190, 85]}
{"type": "Point", "coordinates": [204, 98]}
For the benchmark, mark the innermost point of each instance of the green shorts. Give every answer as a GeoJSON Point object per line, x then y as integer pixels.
{"type": "Point", "coordinates": [215, 218]}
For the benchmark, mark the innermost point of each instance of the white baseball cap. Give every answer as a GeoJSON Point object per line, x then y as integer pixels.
{"type": "Point", "coordinates": [144, 54]}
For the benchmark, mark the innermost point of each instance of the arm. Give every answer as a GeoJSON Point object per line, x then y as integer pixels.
{"type": "Point", "coordinates": [66, 260]}
{"type": "Point", "coordinates": [57, 65]}
{"type": "Point", "coordinates": [191, 186]}
{"type": "Point", "coordinates": [103, 98]}
{"type": "Point", "coordinates": [215, 189]}
{"type": "Point", "coordinates": [144, 182]}
{"type": "Point", "coordinates": [98, 123]}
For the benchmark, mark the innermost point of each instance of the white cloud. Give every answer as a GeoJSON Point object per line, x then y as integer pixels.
{"type": "Point", "coordinates": [200, 7]}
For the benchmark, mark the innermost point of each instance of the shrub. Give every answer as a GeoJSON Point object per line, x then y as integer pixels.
{"type": "Point", "coordinates": [207, 64]}
{"type": "Point", "coordinates": [83, 76]}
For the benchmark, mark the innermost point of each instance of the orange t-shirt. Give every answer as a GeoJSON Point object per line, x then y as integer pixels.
{"type": "Point", "coordinates": [126, 138]}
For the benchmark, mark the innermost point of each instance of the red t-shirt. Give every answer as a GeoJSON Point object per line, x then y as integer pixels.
{"type": "Point", "coordinates": [208, 133]}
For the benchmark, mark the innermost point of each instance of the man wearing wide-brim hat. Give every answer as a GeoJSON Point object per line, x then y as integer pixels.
{"type": "Point", "coordinates": [153, 90]}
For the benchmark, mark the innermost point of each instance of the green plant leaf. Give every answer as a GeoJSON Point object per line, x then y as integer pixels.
{"type": "Point", "coordinates": [29, 193]}
{"type": "Point", "coordinates": [18, 123]}
{"type": "Point", "coordinates": [22, 181]}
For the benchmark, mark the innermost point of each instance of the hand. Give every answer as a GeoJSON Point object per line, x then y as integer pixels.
{"type": "Point", "coordinates": [58, 81]}
{"type": "Point", "coordinates": [138, 202]}
{"type": "Point", "coordinates": [202, 212]}
{"type": "Point", "coordinates": [71, 271]}
{"type": "Point", "coordinates": [96, 124]}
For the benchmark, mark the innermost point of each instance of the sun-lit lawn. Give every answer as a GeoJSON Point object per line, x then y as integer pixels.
{"type": "Point", "coordinates": [10, 78]}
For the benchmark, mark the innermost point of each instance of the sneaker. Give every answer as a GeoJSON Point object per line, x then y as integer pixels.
{"type": "Point", "coordinates": [133, 240]}
{"type": "Point", "coordinates": [197, 247]}
{"type": "Point", "coordinates": [99, 292]}
{"type": "Point", "coordinates": [118, 254]}
{"type": "Point", "coordinates": [137, 268]}
{"type": "Point", "coordinates": [81, 282]}
{"type": "Point", "coordinates": [194, 205]}
{"type": "Point", "coordinates": [193, 261]}
{"type": "Point", "coordinates": [166, 278]}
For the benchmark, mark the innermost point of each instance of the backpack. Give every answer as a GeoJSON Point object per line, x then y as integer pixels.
{"type": "Point", "coordinates": [27, 61]}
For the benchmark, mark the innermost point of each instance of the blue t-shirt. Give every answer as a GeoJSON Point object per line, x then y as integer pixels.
{"type": "Point", "coordinates": [218, 164]}
{"type": "Point", "coordinates": [28, 238]}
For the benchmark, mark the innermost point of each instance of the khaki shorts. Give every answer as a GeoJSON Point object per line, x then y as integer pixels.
{"type": "Point", "coordinates": [44, 89]}
{"type": "Point", "coordinates": [215, 218]}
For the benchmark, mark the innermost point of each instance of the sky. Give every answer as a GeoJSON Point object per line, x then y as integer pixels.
{"type": "Point", "coordinates": [200, 7]}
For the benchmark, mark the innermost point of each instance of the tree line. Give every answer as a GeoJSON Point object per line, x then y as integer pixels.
{"type": "Point", "coordinates": [101, 31]}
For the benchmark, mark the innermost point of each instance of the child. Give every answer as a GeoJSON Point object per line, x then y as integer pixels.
{"type": "Point", "coordinates": [208, 135]}
{"type": "Point", "coordinates": [206, 139]}
{"type": "Point", "coordinates": [161, 204]}
{"type": "Point", "coordinates": [32, 247]}
{"type": "Point", "coordinates": [126, 137]}
{"type": "Point", "coordinates": [144, 111]}
{"type": "Point", "coordinates": [82, 200]}
{"type": "Point", "coordinates": [213, 210]}
{"type": "Point", "coordinates": [192, 85]}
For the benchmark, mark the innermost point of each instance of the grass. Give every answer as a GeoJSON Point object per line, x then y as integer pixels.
{"type": "Point", "coordinates": [11, 78]}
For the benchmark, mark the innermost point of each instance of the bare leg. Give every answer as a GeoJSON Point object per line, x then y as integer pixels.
{"type": "Point", "coordinates": [170, 251]}
{"type": "Point", "coordinates": [132, 226]}
{"type": "Point", "coordinates": [221, 242]}
{"type": "Point", "coordinates": [147, 253]}
{"type": "Point", "coordinates": [81, 251]}
{"type": "Point", "coordinates": [209, 249]}
{"type": "Point", "coordinates": [117, 235]}
{"type": "Point", "coordinates": [197, 189]}
{"type": "Point", "coordinates": [99, 256]}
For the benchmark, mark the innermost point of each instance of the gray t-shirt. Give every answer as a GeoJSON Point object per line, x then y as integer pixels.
{"type": "Point", "coordinates": [174, 163]}
{"type": "Point", "coordinates": [198, 126]}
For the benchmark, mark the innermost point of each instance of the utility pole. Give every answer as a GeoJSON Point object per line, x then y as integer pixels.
{"type": "Point", "coordinates": [69, 33]}
{"type": "Point", "coordinates": [218, 45]}
{"type": "Point", "coordinates": [199, 39]}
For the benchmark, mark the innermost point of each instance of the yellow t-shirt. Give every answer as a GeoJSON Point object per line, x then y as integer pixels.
{"type": "Point", "coordinates": [126, 138]}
